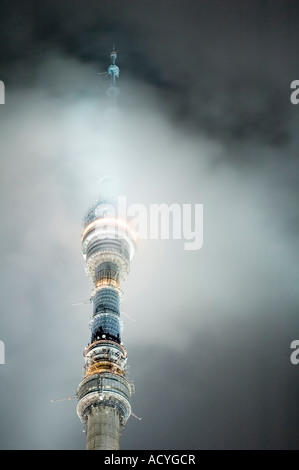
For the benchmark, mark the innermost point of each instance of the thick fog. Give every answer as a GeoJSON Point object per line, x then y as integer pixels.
{"type": "Point", "coordinates": [201, 120]}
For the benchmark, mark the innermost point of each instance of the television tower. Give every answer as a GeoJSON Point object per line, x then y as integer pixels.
{"type": "Point", "coordinates": [108, 246]}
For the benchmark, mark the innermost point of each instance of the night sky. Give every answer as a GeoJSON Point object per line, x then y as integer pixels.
{"type": "Point", "coordinates": [204, 117]}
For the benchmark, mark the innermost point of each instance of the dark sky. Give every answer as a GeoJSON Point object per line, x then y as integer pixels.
{"type": "Point", "coordinates": [205, 117]}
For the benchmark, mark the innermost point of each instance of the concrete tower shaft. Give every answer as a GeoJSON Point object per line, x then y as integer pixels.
{"type": "Point", "coordinates": [103, 429]}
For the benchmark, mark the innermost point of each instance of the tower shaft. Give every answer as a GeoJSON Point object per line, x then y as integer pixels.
{"type": "Point", "coordinates": [103, 429]}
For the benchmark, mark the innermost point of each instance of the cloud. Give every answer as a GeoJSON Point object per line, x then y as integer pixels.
{"type": "Point", "coordinates": [210, 325]}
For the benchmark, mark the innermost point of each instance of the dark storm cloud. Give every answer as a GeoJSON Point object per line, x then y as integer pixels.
{"type": "Point", "coordinates": [205, 118]}
{"type": "Point", "coordinates": [221, 66]}
{"type": "Point", "coordinates": [218, 397]}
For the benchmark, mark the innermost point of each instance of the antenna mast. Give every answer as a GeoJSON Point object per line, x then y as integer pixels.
{"type": "Point", "coordinates": [113, 71]}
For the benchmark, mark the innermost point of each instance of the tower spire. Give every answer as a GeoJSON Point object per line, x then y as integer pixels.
{"type": "Point", "coordinates": [113, 71]}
